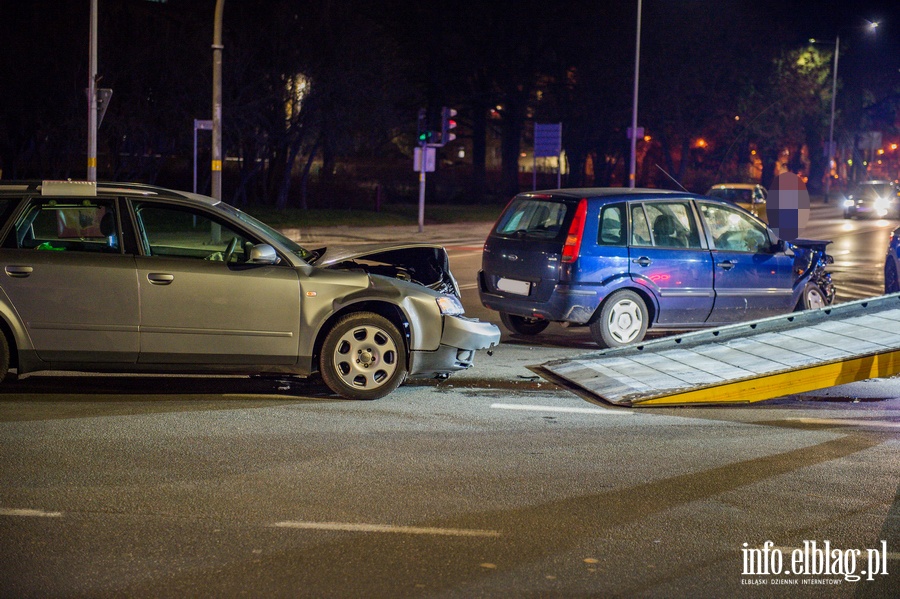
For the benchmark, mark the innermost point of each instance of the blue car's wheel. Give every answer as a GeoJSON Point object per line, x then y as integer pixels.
{"type": "Point", "coordinates": [522, 324]}
{"type": "Point", "coordinates": [813, 298]}
{"type": "Point", "coordinates": [622, 320]}
{"type": "Point", "coordinates": [891, 282]}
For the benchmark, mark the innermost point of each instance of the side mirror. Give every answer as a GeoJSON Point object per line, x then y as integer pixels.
{"type": "Point", "coordinates": [781, 246]}
{"type": "Point", "coordinates": [263, 253]}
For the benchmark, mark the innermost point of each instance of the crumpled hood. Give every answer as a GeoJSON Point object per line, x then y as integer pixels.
{"type": "Point", "coordinates": [424, 263]}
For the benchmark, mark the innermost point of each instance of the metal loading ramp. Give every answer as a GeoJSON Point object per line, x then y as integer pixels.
{"type": "Point", "coordinates": [747, 362]}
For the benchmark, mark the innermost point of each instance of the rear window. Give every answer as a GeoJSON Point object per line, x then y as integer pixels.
{"type": "Point", "coordinates": [735, 196]}
{"type": "Point", "coordinates": [533, 218]}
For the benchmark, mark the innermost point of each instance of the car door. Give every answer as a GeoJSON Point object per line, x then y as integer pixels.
{"type": "Point", "coordinates": [69, 280]}
{"type": "Point", "coordinates": [201, 302]}
{"type": "Point", "coordinates": [669, 258]}
{"type": "Point", "coordinates": [751, 280]}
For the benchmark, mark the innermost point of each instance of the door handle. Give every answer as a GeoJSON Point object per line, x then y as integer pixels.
{"type": "Point", "coordinates": [19, 272]}
{"type": "Point", "coordinates": [726, 264]}
{"type": "Point", "coordinates": [643, 261]}
{"type": "Point", "coordinates": [160, 278]}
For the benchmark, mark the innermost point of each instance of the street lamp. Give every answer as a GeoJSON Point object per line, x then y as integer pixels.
{"type": "Point", "coordinates": [217, 103]}
{"type": "Point", "coordinates": [831, 148]}
{"type": "Point", "coordinates": [92, 97]}
{"type": "Point", "coordinates": [872, 26]}
{"type": "Point", "coordinates": [634, 132]}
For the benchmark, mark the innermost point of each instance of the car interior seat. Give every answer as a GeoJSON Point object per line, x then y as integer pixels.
{"type": "Point", "coordinates": [108, 229]}
{"type": "Point", "coordinates": [540, 218]}
{"type": "Point", "coordinates": [667, 232]}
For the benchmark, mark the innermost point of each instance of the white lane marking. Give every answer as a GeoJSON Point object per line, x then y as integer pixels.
{"type": "Point", "coordinates": [409, 530]}
{"type": "Point", "coordinates": [469, 286]}
{"type": "Point", "coordinates": [509, 406]}
{"type": "Point", "coordinates": [5, 511]}
{"type": "Point", "coordinates": [847, 421]}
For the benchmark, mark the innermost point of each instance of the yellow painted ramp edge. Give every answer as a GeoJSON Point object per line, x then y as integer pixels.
{"type": "Point", "coordinates": [878, 365]}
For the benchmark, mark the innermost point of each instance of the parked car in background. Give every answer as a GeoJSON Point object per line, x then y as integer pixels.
{"type": "Point", "coordinates": [136, 278]}
{"type": "Point", "coordinates": [873, 199]}
{"type": "Point", "coordinates": [892, 264]}
{"type": "Point", "coordinates": [624, 261]}
{"type": "Point", "coordinates": [749, 196]}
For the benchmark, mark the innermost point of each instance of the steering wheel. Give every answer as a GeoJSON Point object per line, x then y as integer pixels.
{"type": "Point", "coordinates": [229, 251]}
{"type": "Point", "coordinates": [730, 240]}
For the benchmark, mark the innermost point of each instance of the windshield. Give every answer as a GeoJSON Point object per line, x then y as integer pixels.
{"type": "Point", "coordinates": [533, 218]}
{"type": "Point", "coordinates": [873, 190]}
{"type": "Point", "coordinates": [289, 244]}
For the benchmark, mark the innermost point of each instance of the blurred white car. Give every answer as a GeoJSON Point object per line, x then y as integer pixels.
{"type": "Point", "coordinates": [880, 199]}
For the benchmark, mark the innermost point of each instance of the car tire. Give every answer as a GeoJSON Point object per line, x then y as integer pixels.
{"type": "Point", "coordinates": [847, 214]}
{"type": "Point", "coordinates": [522, 324]}
{"type": "Point", "coordinates": [363, 357]}
{"type": "Point", "coordinates": [813, 298]}
{"type": "Point", "coordinates": [623, 320]}
{"type": "Point", "coordinates": [891, 280]}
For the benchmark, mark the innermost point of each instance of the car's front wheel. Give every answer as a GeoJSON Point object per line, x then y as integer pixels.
{"type": "Point", "coordinates": [891, 281]}
{"type": "Point", "coordinates": [622, 320]}
{"type": "Point", "coordinates": [522, 324]}
{"type": "Point", "coordinates": [363, 357]}
{"type": "Point", "coordinates": [813, 298]}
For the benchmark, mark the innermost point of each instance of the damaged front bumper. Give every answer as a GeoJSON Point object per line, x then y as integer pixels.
{"type": "Point", "coordinates": [460, 339]}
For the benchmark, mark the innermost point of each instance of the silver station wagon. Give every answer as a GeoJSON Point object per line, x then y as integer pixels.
{"type": "Point", "coordinates": [116, 277]}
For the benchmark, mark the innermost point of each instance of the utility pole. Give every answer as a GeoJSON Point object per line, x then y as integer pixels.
{"type": "Point", "coordinates": [832, 154]}
{"type": "Point", "coordinates": [92, 98]}
{"type": "Point", "coordinates": [217, 103]}
{"type": "Point", "coordinates": [632, 172]}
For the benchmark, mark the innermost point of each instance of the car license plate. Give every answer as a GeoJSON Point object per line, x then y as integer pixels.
{"type": "Point", "coordinates": [514, 286]}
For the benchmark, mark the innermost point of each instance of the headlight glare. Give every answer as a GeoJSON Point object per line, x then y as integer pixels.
{"type": "Point", "coordinates": [450, 305]}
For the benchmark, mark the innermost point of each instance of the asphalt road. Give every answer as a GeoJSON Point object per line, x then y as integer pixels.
{"type": "Point", "coordinates": [493, 483]}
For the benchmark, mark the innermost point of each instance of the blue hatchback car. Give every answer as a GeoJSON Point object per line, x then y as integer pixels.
{"type": "Point", "coordinates": [892, 264]}
{"type": "Point", "coordinates": [623, 261]}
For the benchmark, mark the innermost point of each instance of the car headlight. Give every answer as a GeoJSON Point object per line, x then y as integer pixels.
{"type": "Point", "coordinates": [849, 203]}
{"type": "Point", "coordinates": [450, 305]}
{"type": "Point", "coordinates": [881, 204]}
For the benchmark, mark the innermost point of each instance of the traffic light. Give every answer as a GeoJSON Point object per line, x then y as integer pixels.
{"type": "Point", "coordinates": [447, 124]}
{"type": "Point", "coordinates": [424, 134]}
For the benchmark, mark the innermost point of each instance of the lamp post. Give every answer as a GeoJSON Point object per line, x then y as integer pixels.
{"type": "Point", "coordinates": [872, 26]}
{"type": "Point", "coordinates": [634, 106]}
{"type": "Point", "coordinates": [217, 103]}
{"type": "Point", "coordinates": [831, 148]}
{"type": "Point", "coordinates": [92, 97]}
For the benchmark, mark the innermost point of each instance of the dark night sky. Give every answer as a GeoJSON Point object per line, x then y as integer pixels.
{"type": "Point", "coordinates": [865, 52]}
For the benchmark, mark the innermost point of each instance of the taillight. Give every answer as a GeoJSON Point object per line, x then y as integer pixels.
{"type": "Point", "coordinates": [576, 229]}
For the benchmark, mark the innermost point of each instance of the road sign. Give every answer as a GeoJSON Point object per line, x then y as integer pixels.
{"type": "Point", "coordinates": [547, 139]}
{"type": "Point", "coordinates": [429, 159]}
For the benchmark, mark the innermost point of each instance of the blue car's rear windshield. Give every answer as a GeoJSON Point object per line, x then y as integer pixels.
{"type": "Point", "coordinates": [533, 218]}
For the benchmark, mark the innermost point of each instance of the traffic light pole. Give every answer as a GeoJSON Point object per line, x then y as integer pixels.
{"type": "Point", "coordinates": [427, 142]}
